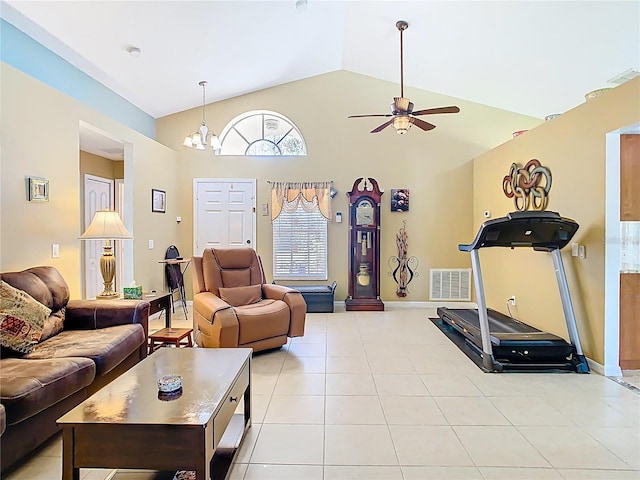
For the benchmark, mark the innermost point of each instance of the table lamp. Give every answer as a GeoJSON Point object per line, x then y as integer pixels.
{"type": "Point", "coordinates": [106, 225]}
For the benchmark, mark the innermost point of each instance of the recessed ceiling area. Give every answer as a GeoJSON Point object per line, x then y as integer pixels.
{"type": "Point", "coordinates": [533, 58]}
{"type": "Point", "coordinates": [100, 144]}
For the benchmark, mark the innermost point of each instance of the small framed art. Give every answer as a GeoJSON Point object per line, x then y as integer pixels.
{"type": "Point", "coordinates": [399, 199]}
{"type": "Point", "coordinates": [37, 189]}
{"type": "Point", "coordinates": [158, 201]}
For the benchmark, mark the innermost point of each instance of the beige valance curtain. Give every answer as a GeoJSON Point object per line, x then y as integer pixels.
{"type": "Point", "coordinates": [288, 195]}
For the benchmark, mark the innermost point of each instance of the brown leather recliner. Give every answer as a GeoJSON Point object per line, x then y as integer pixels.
{"type": "Point", "coordinates": [234, 307]}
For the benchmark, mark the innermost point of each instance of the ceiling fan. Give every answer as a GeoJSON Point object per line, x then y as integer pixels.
{"type": "Point", "coordinates": [401, 108]}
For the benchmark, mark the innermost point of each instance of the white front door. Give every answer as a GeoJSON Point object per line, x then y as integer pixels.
{"type": "Point", "coordinates": [98, 195]}
{"type": "Point", "coordinates": [224, 213]}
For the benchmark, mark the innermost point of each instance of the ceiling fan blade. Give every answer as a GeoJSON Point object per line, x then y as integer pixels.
{"type": "Point", "coordinates": [373, 115]}
{"type": "Point", "coordinates": [422, 124]}
{"type": "Point", "coordinates": [382, 127]}
{"type": "Point", "coordinates": [431, 111]}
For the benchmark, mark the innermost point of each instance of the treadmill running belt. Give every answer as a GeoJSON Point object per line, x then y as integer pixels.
{"type": "Point", "coordinates": [504, 331]}
{"type": "Point", "coordinates": [498, 323]}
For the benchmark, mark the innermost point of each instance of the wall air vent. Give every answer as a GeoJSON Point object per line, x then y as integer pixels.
{"type": "Point", "coordinates": [624, 77]}
{"type": "Point", "coordinates": [450, 284]}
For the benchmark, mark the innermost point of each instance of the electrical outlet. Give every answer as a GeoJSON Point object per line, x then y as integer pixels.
{"type": "Point", "coordinates": [574, 249]}
{"type": "Point", "coordinates": [512, 300]}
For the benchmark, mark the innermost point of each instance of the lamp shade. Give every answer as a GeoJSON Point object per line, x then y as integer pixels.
{"type": "Point", "coordinates": [215, 143]}
{"type": "Point", "coordinates": [106, 225]}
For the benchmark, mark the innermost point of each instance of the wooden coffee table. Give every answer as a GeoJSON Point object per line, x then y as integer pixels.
{"type": "Point", "coordinates": [129, 425]}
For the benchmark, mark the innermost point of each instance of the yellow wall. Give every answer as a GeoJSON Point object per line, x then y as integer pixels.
{"type": "Point", "coordinates": [28, 229]}
{"type": "Point", "coordinates": [91, 164]}
{"type": "Point", "coordinates": [436, 166]}
{"type": "Point", "coordinates": [573, 147]}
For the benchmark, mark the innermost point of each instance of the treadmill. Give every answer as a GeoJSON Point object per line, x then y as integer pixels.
{"type": "Point", "coordinates": [497, 342]}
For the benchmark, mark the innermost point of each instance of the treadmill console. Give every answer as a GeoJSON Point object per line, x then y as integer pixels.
{"type": "Point", "coordinates": [542, 231]}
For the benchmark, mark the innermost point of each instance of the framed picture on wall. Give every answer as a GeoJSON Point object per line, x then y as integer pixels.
{"type": "Point", "coordinates": [158, 201]}
{"type": "Point", "coordinates": [37, 189]}
{"type": "Point", "coordinates": [399, 199]}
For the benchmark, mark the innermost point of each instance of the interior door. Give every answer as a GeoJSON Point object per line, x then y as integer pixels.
{"type": "Point", "coordinates": [118, 247]}
{"type": "Point", "coordinates": [224, 211]}
{"type": "Point", "coordinates": [629, 280]}
{"type": "Point", "coordinates": [98, 195]}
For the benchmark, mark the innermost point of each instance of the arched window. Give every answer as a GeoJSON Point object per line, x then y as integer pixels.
{"type": "Point", "coordinates": [262, 133]}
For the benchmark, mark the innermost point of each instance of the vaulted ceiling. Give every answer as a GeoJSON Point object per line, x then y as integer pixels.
{"type": "Point", "coordinates": [531, 57]}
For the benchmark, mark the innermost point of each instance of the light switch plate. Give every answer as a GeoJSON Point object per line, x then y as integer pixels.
{"type": "Point", "coordinates": [582, 253]}
{"type": "Point", "coordinates": [150, 244]}
{"type": "Point", "coordinates": [55, 250]}
{"type": "Point", "coordinates": [265, 209]}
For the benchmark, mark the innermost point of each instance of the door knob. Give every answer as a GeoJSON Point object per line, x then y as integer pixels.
{"type": "Point", "coordinates": [248, 242]}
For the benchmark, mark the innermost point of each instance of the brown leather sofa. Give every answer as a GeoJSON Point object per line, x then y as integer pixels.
{"type": "Point", "coordinates": [234, 307]}
{"type": "Point", "coordinates": [99, 340]}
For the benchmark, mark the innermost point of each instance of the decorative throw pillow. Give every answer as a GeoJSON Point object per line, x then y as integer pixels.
{"type": "Point", "coordinates": [54, 324]}
{"type": "Point", "coordinates": [238, 296]}
{"type": "Point", "coordinates": [21, 319]}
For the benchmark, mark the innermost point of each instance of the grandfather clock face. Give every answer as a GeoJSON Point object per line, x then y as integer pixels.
{"type": "Point", "coordinates": [364, 213]}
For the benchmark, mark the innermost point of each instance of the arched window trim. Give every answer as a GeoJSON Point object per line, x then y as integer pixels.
{"type": "Point", "coordinates": [232, 127]}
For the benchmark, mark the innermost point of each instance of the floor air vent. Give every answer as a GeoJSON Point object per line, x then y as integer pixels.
{"type": "Point", "coordinates": [450, 284]}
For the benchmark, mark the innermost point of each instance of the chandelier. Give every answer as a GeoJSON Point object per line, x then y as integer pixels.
{"type": "Point", "coordinates": [203, 136]}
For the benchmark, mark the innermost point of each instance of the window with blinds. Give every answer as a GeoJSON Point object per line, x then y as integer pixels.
{"type": "Point", "coordinates": [300, 245]}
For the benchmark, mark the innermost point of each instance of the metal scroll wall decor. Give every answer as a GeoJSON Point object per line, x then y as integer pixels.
{"type": "Point", "coordinates": [403, 267]}
{"type": "Point", "coordinates": [529, 186]}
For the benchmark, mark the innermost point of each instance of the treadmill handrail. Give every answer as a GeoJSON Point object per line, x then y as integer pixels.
{"type": "Point", "coordinates": [542, 231]}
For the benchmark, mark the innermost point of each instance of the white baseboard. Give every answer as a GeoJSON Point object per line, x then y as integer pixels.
{"type": "Point", "coordinates": [425, 305]}
{"type": "Point", "coordinates": [608, 371]}
{"type": "Point", "coordinates": [596, 367]}
{"type": "Point", "coordinates": [398, 304]}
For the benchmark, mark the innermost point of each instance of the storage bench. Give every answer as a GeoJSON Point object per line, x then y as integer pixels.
{"type": "Point", "coordinates": [319, 298]}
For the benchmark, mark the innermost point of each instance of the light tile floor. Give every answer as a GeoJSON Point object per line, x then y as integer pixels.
{"type": "Point", "coordinates": [384, 395]}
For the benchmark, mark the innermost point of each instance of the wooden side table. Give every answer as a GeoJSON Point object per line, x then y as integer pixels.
{"type": "Point", "coordinates": [160, 301]}
{"type": "Point", "coordinates": [170, 336]}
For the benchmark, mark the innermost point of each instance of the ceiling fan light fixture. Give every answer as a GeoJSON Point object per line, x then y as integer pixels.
{"type": "Point", "coordinates": [401, 104]}
{"type": "Point", "coordinates": [402, 108]}
{"type": "Point", "coordinates": [203, 136]}
{"type": "Point", "coordinates": [402, 124]}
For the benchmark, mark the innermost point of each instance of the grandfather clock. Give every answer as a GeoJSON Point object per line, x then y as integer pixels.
{"type": "Point", "coordinates": [364, 246]}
